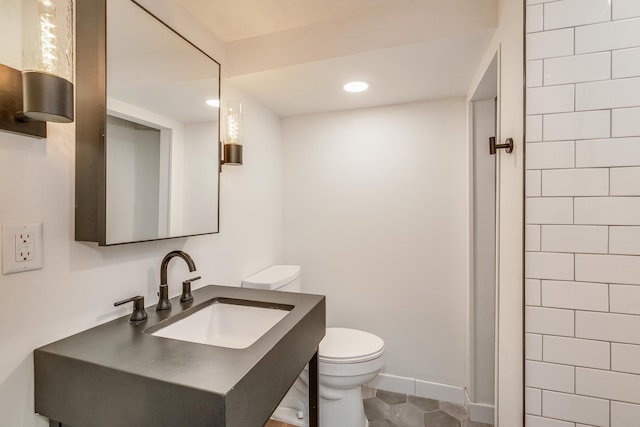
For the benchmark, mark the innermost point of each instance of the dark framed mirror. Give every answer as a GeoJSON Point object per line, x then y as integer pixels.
{"type": "Point", "coordinates": [147, 128]}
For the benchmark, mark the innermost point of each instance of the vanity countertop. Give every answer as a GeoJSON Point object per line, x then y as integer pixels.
{"type": "Point", "coordinates": [115, 374]}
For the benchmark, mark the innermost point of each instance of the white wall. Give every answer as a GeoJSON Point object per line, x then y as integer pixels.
{"type": "Point", "coordinates": [79, 282]}
{"type": "Point", "coordinates": [376, 213]}
{"type": "Point", "coordinates": [200, 213]}
{"type": "Point", "coordinates": [582, 242]}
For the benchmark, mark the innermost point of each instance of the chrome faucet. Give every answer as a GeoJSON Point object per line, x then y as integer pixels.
{"type": "Point", "coordinates": [163, 302]}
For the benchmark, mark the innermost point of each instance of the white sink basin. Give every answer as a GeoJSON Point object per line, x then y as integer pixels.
{"type": "Point", "coordinates": [224, 325]}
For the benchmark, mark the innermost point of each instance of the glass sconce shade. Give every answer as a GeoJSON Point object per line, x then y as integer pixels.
{"type": "Point", "coordinates": [232, 133]}
{"type": "Point", "coordinates": [47, 60]}
{"type": "Point", "coordinates": [232, 123]}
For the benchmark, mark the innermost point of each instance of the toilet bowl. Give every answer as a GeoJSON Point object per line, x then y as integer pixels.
{"type": "Point", "coordinates": [348, 359]}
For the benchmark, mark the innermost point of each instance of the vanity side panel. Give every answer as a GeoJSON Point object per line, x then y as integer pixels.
{"type": "Point", "coordinates": [90, 120]}
{"type": "Point", "coordinates": [76, 393]}
{"type": "Point", "coordinates": [257, 393]}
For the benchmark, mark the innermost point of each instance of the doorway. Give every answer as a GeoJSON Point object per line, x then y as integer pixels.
{"type": "Point", "coordinates": [483, 266]}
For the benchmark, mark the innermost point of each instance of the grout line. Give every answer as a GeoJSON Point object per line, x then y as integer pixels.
{"type": "Point", "coordinates": [611, 65]}
{"type": "Point", "coordinates": [610, 356]}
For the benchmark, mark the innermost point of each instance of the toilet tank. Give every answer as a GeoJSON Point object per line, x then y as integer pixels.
{"type": "Point", "coordinates": [276, 278]}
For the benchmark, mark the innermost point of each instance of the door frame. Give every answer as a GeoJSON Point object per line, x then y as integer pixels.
{"type": "Point", "coordinates": [509, 40]}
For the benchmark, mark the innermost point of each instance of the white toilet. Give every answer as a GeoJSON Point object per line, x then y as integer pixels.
{"type": "Point", "coordinates": [348, 359]}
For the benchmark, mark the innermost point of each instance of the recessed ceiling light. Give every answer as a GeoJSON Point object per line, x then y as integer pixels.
{"type": "Point", "coordinates": [355, 87]}
{"type": "Point", "coordinates": [213, 102]}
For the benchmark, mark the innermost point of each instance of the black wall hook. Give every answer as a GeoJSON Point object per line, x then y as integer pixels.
{"type": "Point", "coordinates": [508, 145]}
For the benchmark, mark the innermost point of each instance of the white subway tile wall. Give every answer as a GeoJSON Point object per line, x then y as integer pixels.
{"type": "Point", "coordinates": [626, 9]}
{"type": "Point", "coordinates": [575, 182]}
{"type": "Point", "coordinates": [534, 72]}
{"type": "Point", "coordinates": [621, 413]}
{"type": "Point", "coordinates": [550, 44]}
{"type": "Point", "coordinates": [571, 13]}
{"type": "Point", "coordinates": [625, 121]}
{"type": "Point", "coordinates": [532, 233]}
{"type": "Point", "coordinates": [572, 351]}
{"type": "Point", "coordinates": [596, 38]}
{"type": "Point", "coordinates": [605, 153]}
{"type": "Point", "coordinates": [624, 240]}
{"type": "Point", "coordinates": [575, 295]}
{"type": "Point", "coordinates": [534, 346]}
{"type": "Point", "coordinates": [533, 401]}
{"type": "Point", "coordinates": [551, 155]}
{"type": "Point", "coordinates": [533, 292]}
{"type": "Point", "coordinates": [624, 181]}
{"type": "Point", "coordinates": [549, 376]}
{"type": "Point", "coordinates": [534, 183]}
{"type": "Point", "coordinates": [551, 321]}
{"type": "Point", "coordinates": [625, 358]}
{"type": "Point", "coordinates": [533, 421]}
{"type": "Point", "coordinates": [549, 210]}
{"type": "Point", "coordinates": [608, 385]}
{"type": "Point", "coordinates": [574, 238]}
{"type": "Point", "coordinates": [534, 127]}
{"type": "Point", "coordinates": [575, 408]}
{"type": "Point", "coordinates": [625, 62]}
{"type": "Point", "coordinates": [578, 68]}
{"type": "Point", "coordinates": [624, 299]}
{"type": "Point", "coordinates": [582, 239]}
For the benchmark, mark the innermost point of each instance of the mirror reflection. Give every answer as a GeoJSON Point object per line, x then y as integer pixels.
{"type": "Point", "coordinates": [161, 144]}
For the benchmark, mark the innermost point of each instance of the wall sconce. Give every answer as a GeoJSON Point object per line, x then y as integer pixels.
{"type": "Point", "coordinates": [43, 90]}
{"type": "Point", "coordinates": [232, 133]}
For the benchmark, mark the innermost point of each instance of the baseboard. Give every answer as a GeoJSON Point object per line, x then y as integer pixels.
{"type": "Point", "coordinates": [419, 388]}
{"type": "Point", "coordinates": [438, 391]}
{"type": "Point", "coordinates": [481, 413]}
{"type": "Point", "coordinates": [395, 384]}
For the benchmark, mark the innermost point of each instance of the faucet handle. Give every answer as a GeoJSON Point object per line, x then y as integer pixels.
{"type": "Point", "coordinates": [163, 300]}
{"type": "Point", "coordinates": [138, 314]}
{"type": "Point", "coordinates": [186, 289]}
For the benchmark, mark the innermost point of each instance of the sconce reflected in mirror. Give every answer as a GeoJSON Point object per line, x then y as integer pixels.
{"type": "Point", "coordinates": [43, 90]}
{"type": "Point", "coordinates": [232, 133]}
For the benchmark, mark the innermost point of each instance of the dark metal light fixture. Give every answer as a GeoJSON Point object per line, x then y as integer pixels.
{"type": "Point", "coordinates": [232, 134]}
{"type": "Point", "coordinates": [43, 91]}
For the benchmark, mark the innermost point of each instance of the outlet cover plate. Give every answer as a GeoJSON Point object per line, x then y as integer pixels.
{"type": "Point", "coordinates": [9, 247]}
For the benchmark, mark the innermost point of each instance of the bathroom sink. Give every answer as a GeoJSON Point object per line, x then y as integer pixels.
{"type": "Point", "coordinates": [120, 374]}
{"type": "Point", "coordinates": [224, 322]}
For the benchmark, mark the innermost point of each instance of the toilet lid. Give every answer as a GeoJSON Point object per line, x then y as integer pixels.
{"type": "Point", "coordinates": [342, 345]}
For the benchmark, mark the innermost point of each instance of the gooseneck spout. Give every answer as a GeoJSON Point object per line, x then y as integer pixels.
{"type": "Point", "coordinates": [163, 302]}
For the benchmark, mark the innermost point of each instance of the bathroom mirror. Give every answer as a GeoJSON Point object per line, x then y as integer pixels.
{"type": "Point", "coordinates": [147, 150]}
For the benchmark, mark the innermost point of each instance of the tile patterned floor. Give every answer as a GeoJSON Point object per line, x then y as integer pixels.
{"type": "Point", "coordinates": [387, 409]}
{"type": "Point", "coordinates": [272, 423]}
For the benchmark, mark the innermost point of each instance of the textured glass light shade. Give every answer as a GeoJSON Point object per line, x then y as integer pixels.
{"type": "Point", "coordinates": [232, 123]}
{"type": "Point", "coordinates": [47, 59]}
{"type": "Point", "coordinates": [232, 133]}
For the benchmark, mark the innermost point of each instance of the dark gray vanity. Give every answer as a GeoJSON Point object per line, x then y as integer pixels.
{"type": "Point", "coordinates": [118, 374]}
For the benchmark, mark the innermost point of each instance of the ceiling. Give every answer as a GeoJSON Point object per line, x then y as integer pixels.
{"type": "Point", "coordinates": [295, 55]}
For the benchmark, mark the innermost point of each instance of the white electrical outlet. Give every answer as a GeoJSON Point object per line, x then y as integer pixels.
{"type": "Point", "coordinates": [21, 247]}
{"type": "Point", "coordinates": [24, 247]}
